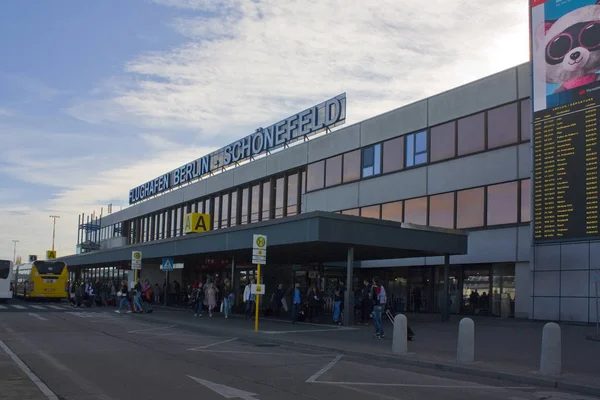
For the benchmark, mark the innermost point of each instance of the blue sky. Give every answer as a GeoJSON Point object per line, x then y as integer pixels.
{"type": "Point", "coordinates": [98, 96]}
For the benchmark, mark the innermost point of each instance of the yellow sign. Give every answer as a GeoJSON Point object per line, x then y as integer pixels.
{"type": "Point", "coordinates": [50, 254]}
{"type": "Point", "coordinates": [137, 255]}
{"type": "Point", "coordinates": [261, 241]}
{"type": "Point", "coordinates": [196, 222]}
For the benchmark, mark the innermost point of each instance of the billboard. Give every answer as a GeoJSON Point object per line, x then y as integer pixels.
{"type": "Point", "coordinates": [565, 59]}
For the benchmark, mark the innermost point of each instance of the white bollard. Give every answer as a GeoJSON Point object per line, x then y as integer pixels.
{"type": "Point", "coordinates": [400, 339]}
{"type": "Point", "coordinates": [550, 360]}
{"type": "Point", "coordinates": [465, 350]}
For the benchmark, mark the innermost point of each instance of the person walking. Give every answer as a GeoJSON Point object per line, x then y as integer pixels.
{"type": "Point", "coordinates": [124, 295]}
{"type": "Point", "coordinates": [198, 299]}
{"type": "Point", "coordinates": [249, 300]}
{"type": "Point", "coordinates": [315, 302]}
{"type": "Point", "coordinates": [366, 302]}
{"type": "Point", "coordinates": [296, 302]}
{"type": "Point", "coordinates": [137, 299]}
{"type": "Point", "coordinates": [379, 302]}
{"type": "Point", "coordinates": [338, 299]}
{"type": "Point", "coordinates": [228, 298]}
{"type": "Point", "coordinates": [211, 297]}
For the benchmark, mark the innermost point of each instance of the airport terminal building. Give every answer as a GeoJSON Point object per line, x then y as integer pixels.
{"type": "Point", "coordinates": [460, 161]}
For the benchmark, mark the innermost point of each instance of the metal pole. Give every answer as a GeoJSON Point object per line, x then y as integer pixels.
{"type": "Point", "coordinates": [166, 286]}
{"type": "Point", "coordinates": [15, 251]}
{"type": "Point", "coordinates": [54, 229]}
{"type": "Point", "coordinates": [597, 305]}
{"type": "Point", "coordinates": [257, 300]}
{"type": "Point", "coordinates": [446, 292]}
{"type": "Point", "coordinates": [349, 297]}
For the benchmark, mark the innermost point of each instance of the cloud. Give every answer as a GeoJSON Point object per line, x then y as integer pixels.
{"type": "Point", "coordinates": [243, 64]}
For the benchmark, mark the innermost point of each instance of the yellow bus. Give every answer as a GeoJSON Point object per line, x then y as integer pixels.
{"type": "Point", "coordinates": [42, 280]}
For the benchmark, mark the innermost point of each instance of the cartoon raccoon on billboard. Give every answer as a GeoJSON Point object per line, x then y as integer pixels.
{"type": "Point", "coordinates": [565, 50]}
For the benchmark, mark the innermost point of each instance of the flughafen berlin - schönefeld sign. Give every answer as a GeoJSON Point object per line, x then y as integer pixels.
{"type": "Point", "coordinates": [311, 121]}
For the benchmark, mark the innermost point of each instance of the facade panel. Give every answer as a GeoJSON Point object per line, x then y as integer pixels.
{"type": "Point", "coordinates": [574, 309]}
{"type": "Point", "coordinates": [485, 93]}
{"type": "Point", "coordinates": [195, 190]}
{"type": "Point", "coordinates": [403, 120]}
{"type": "Point", "coordinates": [333, 199]}
{"type": "Point", "coordinates": [222, 181]}
{"type": "Point", "coordinates": [524, 80]}
{"type": "Point", "coordinates": [477, 170]}
{"type": "Point", "coordinates": [489, 246]}
{"type": "Point", "coordinates": [248, 172]}
{"type": "Point", "coordinates": [547, 258]}
{"type": "Point", "coordinates": [398, 186]}
{"type": "Point", "coordinates": [546, 308]}
{"type": "Point", "coordinates": [335, 143]}
{"type": "Point", "coordinates": [281, 161]}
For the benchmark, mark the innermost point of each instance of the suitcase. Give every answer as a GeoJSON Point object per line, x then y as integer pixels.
{"type": "Point", "coordinates": [410, 334]}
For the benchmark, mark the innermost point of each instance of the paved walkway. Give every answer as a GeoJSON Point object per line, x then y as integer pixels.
{"type": "Point", "coordinates": [508, 346]}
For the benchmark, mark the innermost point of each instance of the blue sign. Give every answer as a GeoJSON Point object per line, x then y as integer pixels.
{"type": "Point", "coordinates": [167, 264]}
{"type": "Point", "coordinates": [311, 121]}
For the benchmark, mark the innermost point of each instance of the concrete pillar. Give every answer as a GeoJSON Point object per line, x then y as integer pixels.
{"type": "Point", "coordinates": [400, 338]}
{"type": "Point", "coordinates": [550, 360]}
{"type": "Point", "coordinates": [349, 297]}
{"type": "Point", "coordinates": [446, 292]}
{"type": "Point", "coordinates": [465, 350]}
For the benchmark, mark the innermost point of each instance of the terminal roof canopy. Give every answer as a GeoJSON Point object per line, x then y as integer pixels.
{"type": "Point", "coordinates": [314, 237]}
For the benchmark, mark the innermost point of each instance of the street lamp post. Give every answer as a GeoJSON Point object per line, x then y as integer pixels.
{"type": "Point", "coordinates": [15, 251]}
{"type": "Point", "coordinates": [54, 229]}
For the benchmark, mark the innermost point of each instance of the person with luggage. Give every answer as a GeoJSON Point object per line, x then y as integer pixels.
{"type": "Point", "coordinates": [123, 294]}
{"type": "Point", "coordinates": [379, 302]}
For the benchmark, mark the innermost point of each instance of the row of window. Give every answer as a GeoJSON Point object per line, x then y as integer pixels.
{"type": "Point", "coordinates": [500, 204]}
{"type": "Point", "coordinates": [275, 197]}
{"type": "Point", "coordinates": [498, 127]}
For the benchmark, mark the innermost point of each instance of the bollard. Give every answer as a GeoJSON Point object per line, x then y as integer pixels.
{"type": "Point", "coordinates": [399, 340]}
{"type": "Point", "coordinates": [465, 350]}
{"type": "Point", "coordinates": [550, 360]}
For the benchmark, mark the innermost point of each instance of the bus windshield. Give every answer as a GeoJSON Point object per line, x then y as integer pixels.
{"type": "Point", "coordinates": [4, 269]}
{"type": "Point", "coordinates": [49, 267]}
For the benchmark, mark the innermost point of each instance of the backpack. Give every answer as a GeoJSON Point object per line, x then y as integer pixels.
{"type": "Point", "coordinates": [381, 295]}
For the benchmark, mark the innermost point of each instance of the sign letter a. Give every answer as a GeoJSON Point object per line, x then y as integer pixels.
{"type": "Point", "coordinates": [188, 223]}
{"type": "Point", "coordinates": [200, 224]}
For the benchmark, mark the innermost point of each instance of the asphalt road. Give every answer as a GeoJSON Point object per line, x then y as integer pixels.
{"type": "Point", "coordinates": [98, 354]}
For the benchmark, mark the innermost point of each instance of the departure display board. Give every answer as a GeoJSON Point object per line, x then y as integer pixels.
{"type": "Point", "coordinates": [565, 168]}
{"type": "Point", "coordinates": [565, 58]}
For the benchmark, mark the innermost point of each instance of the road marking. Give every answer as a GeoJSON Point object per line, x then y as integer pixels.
{"type": "Point", "coordinates": [38, 307]}
{"type": "Point", "coordinates": [151, 329]}
{"type": "Point", "coordinates": [309, 331]}
{"type": "Point", "coordinates": [56, 307]}
{"type": "Point", "coordinates": [2, 307]}
{"type": "Point", "coordinates": [262, 353]}
{"type": "Point", "coordinates": [410, 385]}
{"type": "Point", "coordinates": [37, 316]}
{"type": "Point", "coordinates": [33, 377]}
{"type": "Point", "coordinates": [18, 307]}
{"type": "Point", "coordinates": [226, 391]}
{"type": "Point", "coordinates": [370, 393]}
{"type": "Point", "coordinates": [326, 368]}
{"type": "Point", "coordinates": [213, 344]}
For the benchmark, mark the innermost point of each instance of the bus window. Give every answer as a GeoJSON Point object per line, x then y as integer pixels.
{"type": "Point", "coordinates": [49, 267]}
{"type": "Point", "coordinates": [4, 269]}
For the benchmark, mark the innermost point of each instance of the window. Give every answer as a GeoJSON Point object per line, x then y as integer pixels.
{"type": "Point", "coordinates": [292, 194]}
{"type": "Point", "coordinates": [216, 219]}
{"type": "Point", "coordinates": [392, 211]}
{"type": "Point", "coordinates": [526, 200]}
{"type": "Point", "coordinates": [354, 211]}
{"type": "Point", "coordinates": [526, 119]}
{"type": "Point", "coordinates": [502, 203]}
{"type": "Point", "coordinates": [234, 208]}
{"type": "Point", "coordinates": [333, 171]}
{"type": "Point", "coordinates": [371, 160]}
{"type": "Point", "coordinates": [179, 221]}
{"type": "Point", "coordinates": [441, 210]}
{"type": "Point", "coordinates": [279, 193]}
{"type": "Point", "coordinates": [393, 155]}
{"type": "Point", "coordinates": [503, 126]}
{"type": "Point", "coordinates": [351, 166]}
{"type": "Point", "coordinates": [254, 203]}
{"type": "Point", "coordinates": [469, 208]}
{"type": "Point", "coordinates": [443, 142]}
{"type": "Point", "coordinates": [225, 210]}
{"type": "Point", "coordinates": [244, 206]}
{"type": "Point", "coordinates": [471, 134]}
{"type": "Point", "coordinates": [303, 182]}
{"type": "Point", "coordinates": [316, 176]}
{"type": "Point", "coordinates": [416, 149]}
{"type": "Point", "coordinates": [370, 212]}
{"type": "Point", "coordinates": [266, 200]}
{"type": "Point", "coordinates": [415, 211]}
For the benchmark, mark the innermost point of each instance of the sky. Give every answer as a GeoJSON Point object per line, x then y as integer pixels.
{"type": "Point", "coordinates": [97, 97]}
